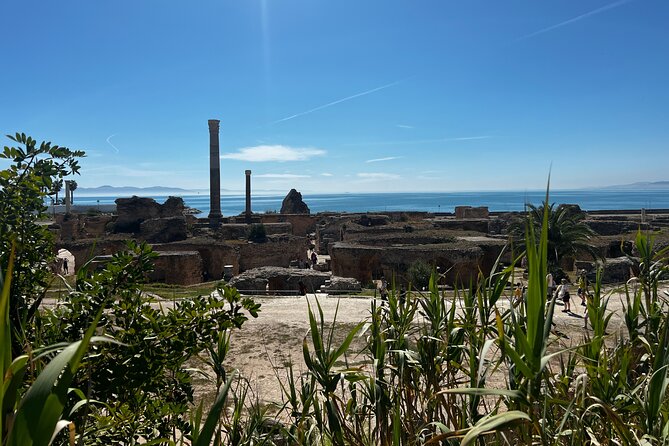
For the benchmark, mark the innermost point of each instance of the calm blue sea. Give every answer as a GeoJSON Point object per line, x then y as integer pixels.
{"type": "Point", "coordinates": [431, 202]}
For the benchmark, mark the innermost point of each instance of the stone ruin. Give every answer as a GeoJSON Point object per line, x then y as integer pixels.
{"type": "Point", "coordinates": [287, 281]}
{"type": "Point", "coordinates": [362, 246]}
{"type": "Point", "coordinates": [463, 212]}
{"type": "Point", "coordinates": [293, 204]}
{"type": "Point", "coordinates": [132, 212]}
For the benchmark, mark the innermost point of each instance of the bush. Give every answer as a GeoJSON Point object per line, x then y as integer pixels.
{"type": "Point", "coordinates": [257, 233]}
{"type": "Point", "coordinates": [144, 380]}
{"type": "Point", "coordinates": [419, 274]}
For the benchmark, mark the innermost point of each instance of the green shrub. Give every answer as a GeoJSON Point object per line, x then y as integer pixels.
{"type": "Point", "coordinates": [419, 274]}
{"type": "Point", "coordinates": [257, 233]}
{"type": "Point", "coordinates": [154, 346]}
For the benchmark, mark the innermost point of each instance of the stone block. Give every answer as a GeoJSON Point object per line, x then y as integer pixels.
{"type": "Point", "coordinates": [133, 211]}
{"type": "Point", "coordinates": [463, 212]}
{"type": "Point", "coordinates": [164, 230]}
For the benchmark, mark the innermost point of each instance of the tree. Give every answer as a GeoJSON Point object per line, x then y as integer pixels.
{"type": "Point", "coordinates": [73, 187]}
{"type": "Point", "coordinates": [23, 187]}
{"type": "Point", "coordinates": [56, 188]}
{"type": "Point", "coordinates": [567, 231]}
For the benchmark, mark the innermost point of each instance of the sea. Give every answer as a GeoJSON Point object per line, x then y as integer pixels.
{"type": "Point", "coordinates": [589, 200]}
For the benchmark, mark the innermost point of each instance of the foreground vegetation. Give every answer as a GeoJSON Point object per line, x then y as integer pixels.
{"type": "Point", "coordinates": [109, 366]}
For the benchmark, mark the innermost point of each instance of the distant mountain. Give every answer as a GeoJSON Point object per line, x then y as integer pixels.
{"type": "Point", "coordinates": [643, 185]}
{"type": "Point", "coordinates": [139, 191]}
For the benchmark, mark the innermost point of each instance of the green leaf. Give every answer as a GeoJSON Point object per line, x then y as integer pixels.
{"type": "Point", "coordinates": [205, 435]}
{"type": "Point", "coordinates": [492, 423]}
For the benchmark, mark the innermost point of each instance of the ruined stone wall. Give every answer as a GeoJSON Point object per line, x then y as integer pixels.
{"type": "Point", "coordinates": [214, 254]}
{"type": "Point", "coordinates": [242, 255]}
{"type": "Point", "coordinates": [85, 250]}
{"type": "Point", "coordinates": [177, 267]}
{"type": "Point", "coordinates": [82, 226]}
{"type": "Point", "coordinates": [302, 224]}
{"type": "Point", "coordinates": [462, 212]}
{"type": "Point", "coordinates": [237, 231]}
{"type": "Point", "coordinates": [478, 225]}
{"type": "Point", "coordinates": [133, 211]}
{"type": "Point", "coordinates": [615, 227]}
{"type": "Point", "coordinates": [276, 252]}
{"type": "Point", "coordinates": [460, 262]}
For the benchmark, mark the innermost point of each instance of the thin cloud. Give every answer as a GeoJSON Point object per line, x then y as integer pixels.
{"type": "Point", "coordinates": [326, 174]}
{"type": "Point", "coordinates": [403, 126]}
{"type": "Point", "coordinates": [417, 141]}
{"type": "Point", "coordinates": [112, 145]}
{"type": "Point", "coordinates": [277, 153]}
{"type": "Point", "coordinates": [338, 101]}
{"type": "Point", "coordinates": [282, 175]}
{"type": "Point", "coordinates": [374, 176]}
{"type": "Point", "coordinates": [574, 19]}
{"type": "Point", "coordinates": [388, 158]}
{"type": "Point", "coordinates": [124, 171]}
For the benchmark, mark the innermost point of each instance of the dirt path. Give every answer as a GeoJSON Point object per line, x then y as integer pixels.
{"type": "Point", "coordinates": [267, 345]}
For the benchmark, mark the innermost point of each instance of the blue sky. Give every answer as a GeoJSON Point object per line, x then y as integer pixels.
{"type": "Point", "coordinates": [346, 95]}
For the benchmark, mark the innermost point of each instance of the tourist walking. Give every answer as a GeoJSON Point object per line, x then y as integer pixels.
{"type": "Point", "coordinates": [563, 294]}
{"type": "Point", "coordinates": [314, 259]}
{"type": "Point", "coordinates": [66, 269]}
{"type": "Point", "coordinates": [384, 289]}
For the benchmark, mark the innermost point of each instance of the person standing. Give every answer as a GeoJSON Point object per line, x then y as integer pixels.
{"type": "Point", "coordinates": [314, 259]}
{"type": "Point", "coordinates": [517, 294]}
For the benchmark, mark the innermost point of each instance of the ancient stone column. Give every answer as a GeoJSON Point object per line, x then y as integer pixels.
{"type": "Point", "coordinates": [214, 175]}
{"type": "Point", "coordinates": [68, 200]}
{"type": "Point", "coordinates": [248, 196]}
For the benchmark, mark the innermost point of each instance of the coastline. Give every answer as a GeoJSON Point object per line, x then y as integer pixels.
{"type": "Point", "coordinates": [433, 202]}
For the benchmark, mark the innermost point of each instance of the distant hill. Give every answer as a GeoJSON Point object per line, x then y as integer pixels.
{"type": "Point", "coordinates": [139, 191]}
{"type": "Point", "coordinates": [643, 185]}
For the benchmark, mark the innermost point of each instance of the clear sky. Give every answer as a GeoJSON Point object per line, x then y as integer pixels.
{"type": "Point", "coordinates": [345, 95]}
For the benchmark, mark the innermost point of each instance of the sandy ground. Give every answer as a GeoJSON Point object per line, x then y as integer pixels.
{"type": "Point", "coordinates": [265, 346]}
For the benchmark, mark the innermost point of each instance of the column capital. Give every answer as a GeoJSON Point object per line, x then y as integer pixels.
{"type": "Point", "coordinates": [214, 124]}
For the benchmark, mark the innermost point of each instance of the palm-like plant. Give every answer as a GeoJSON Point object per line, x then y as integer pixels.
{"type": "Point", "coordinates": [567, 231]}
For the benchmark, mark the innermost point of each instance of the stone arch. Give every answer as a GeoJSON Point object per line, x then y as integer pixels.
{"type": "Point", "coordinates": [65, 262]}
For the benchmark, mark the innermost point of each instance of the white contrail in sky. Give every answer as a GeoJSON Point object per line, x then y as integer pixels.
{"type": "Point", "coordinates": [575, 19]}
{"type": "Point", "coordinates": [109, 142]}
{"type": "Point", "coordinates": [416, 141]}
{"type": "Point", "coordinates": [388, 158]}
{"type": "Point", "coordinates": [338, 101]}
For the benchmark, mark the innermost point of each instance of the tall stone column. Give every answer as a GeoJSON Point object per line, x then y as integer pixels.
{"type": "Point", "coordinates": [248, 196]}
{"type": "Point", "coordinates": [214, 175]}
